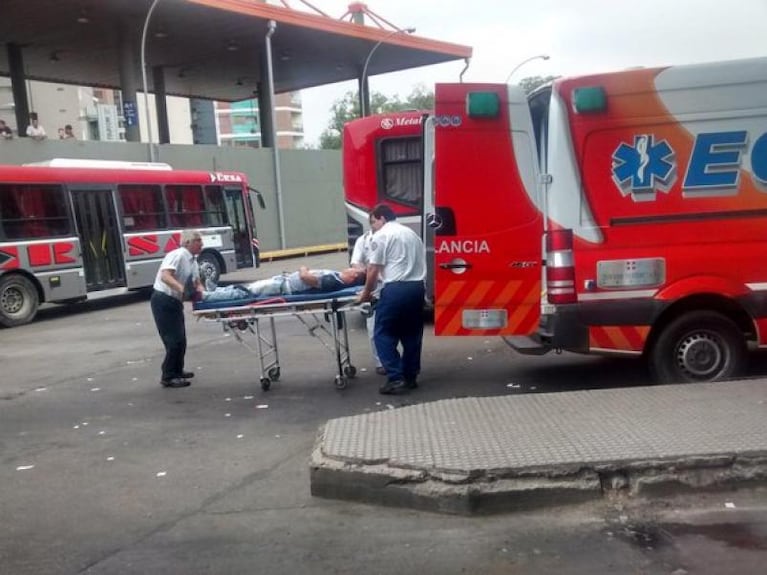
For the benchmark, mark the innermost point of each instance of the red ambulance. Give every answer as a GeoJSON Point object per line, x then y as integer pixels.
{"type": "Point", "coordinates": [621, 213]}
{"type": "Point", "coordinates": [382, 163]}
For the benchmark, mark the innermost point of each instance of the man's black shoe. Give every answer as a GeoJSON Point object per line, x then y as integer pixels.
{"type": "Point", "coordinates": [187, 375]}
{"type": "Point", "coordinates": [175, 382]}
{"type": "Point", "coordinates": [381, 370]}
{"type": "Point", "coordinates": [393, 387]}
{"type": "Point", "coordinates": [411, 383]}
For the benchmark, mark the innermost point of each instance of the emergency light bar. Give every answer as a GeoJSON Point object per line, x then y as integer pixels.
{"type": "Point", "coordinates": [482, 105]}
{"type": "Point", "coordinates": [589, 100]}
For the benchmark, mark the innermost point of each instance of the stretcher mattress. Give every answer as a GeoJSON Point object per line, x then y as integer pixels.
{"type": "Point", "coordinates": [307, 296]}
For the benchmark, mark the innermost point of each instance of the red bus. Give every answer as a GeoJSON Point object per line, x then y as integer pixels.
{"type": "Point", "coordinates": [382, 162]}
{"type": "Point", "coordinates": [72, 227]}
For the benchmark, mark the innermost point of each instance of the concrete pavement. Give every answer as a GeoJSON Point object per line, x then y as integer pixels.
{"type": "Point", "coordinates": [491, 454]}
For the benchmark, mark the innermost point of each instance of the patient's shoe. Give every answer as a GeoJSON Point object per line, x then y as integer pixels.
{"type": "Point", "coordinates": [210, 285]}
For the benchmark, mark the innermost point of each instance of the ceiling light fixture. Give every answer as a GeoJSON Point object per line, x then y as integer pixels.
{"type": "Point", "coordinates": [83, 17]}
{"type": "Point", "coordinates": [232, 46]}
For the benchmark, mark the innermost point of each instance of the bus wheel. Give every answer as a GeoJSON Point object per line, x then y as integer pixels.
{"type": "Point", "coordinates": [210, 269]}
{"type": "Point", "coordinates": [18, 300]}
{"type": "Point", "coordinates": [696, 347]}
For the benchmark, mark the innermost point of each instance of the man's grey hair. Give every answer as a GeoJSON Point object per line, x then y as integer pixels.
{"type": "Point", "coordinates": [188, 236]}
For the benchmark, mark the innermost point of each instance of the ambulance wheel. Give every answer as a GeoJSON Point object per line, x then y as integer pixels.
{"type": "Point", "coordinates": [350, 371]}
{"type": "Point", "coordinates": [696, 347]}
{"type": "Point", "coordinates": [18, 300]}
{"type": "Point", "coordinates": [274, 373]}
{"type": "Point", "coordinates": [341, 382]}
{"type": "Point", "coordinates": [266, 383]}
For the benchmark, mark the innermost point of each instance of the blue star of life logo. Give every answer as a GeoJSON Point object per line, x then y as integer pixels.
{"type": "Point", "coordinates": [644, 168]}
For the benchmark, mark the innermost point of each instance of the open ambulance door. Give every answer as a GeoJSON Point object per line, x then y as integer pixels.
{"type": "Point", "coordinates": [428, 221]}
{"type": "Point", "coordinates": [487, 220]}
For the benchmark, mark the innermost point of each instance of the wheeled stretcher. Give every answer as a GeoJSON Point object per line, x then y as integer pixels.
{"type": "Point", "coordinates": [322, 313]}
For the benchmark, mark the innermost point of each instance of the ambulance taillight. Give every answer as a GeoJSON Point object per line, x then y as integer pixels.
{"type": "Point", "coordinates": [560, 268]}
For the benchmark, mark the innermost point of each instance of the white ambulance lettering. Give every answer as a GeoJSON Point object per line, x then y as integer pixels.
{"type": "Point", "coordinates": [463, 247]}
{"type": "Point", "coordinates": [389, 123]}
{"type": "Point", "coordinates": [409, 121]}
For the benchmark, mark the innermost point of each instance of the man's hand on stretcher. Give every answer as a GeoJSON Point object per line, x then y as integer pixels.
{"type": "Point", "coordinates": [371, 280]}
{"type": "Point", "coordinates": [364, 296]}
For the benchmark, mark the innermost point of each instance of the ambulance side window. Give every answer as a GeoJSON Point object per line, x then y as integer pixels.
{"type": "Point", "coordinates": [539, 112]}
{"type": "Point", "coordinates": [400, 171]}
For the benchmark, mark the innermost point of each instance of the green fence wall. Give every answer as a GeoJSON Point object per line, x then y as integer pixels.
{"type": "Point", "coordinates": [311, 181]}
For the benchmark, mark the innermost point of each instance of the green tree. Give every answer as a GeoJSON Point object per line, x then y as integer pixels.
{"type": "Point", "coordinates": [348, 108]}
{"type": "Point", "coordinates": [532, 82]}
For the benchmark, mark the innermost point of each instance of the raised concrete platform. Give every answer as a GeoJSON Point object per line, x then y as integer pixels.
{"type": "Point", "coordinates": [493, 454]}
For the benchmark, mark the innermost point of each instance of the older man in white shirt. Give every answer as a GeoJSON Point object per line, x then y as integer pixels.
{"type": "Point", "coordinates": [177, 269]}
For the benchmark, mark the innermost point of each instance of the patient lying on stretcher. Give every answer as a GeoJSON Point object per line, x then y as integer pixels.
{"type": "Point", "coordinates": [301, 281]}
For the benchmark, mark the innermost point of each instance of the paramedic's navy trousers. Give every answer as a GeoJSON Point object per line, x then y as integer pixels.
{"type": "Point", "coordinates": [399, 319]}
{"type": "Point", "coordinates": [168, 315]}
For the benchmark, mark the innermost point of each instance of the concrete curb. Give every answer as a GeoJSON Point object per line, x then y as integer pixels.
{"type": "Point", "coordinates": [499, 491]}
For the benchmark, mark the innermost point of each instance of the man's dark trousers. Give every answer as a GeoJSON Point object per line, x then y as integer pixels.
{"type": "Point", "coordinates": [399, 318]}
{"type": "Point", "coordinates": [168, 315]}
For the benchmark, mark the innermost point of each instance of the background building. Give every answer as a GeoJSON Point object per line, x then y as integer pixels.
{"type": "Point", "coordinates": [238, 122]}
{"type": "Point", "coordinates": [95, 114]}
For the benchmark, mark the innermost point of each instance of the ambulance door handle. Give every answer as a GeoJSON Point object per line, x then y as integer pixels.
{"type": "Point", "coordinates": [457, 264]}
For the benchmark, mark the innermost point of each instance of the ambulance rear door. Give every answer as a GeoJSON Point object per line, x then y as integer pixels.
{"type": "Point", "coordinates": [487, 219]}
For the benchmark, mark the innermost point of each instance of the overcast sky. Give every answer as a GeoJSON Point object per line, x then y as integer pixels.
{"type": "Point", "coordinates": [580, 36]}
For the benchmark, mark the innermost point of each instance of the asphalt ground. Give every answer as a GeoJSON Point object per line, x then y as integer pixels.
{"type": "Point", "coordinates": [102, 471]}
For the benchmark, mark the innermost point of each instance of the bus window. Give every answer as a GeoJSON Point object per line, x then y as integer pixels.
{"type": "Point", "coordinates": [214, 205]}
{"type": "Point", "coordinates": [401, 170]}
{"type": "Point", "coordinates": [185, 206]}
{"type": "Point", "coordinates": [33, 211]}
{"type": "Point", "coordinates": [142, 207]}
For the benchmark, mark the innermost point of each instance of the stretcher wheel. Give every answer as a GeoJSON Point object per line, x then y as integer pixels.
{"type": "Point", "coordinates": [350, 371]}
{"type": "Point", "coordinates": [266, 383]}
{"type": "Point", "coordinates": [274, 373]}
{"type": "Point", "coordinates": [341, 382]}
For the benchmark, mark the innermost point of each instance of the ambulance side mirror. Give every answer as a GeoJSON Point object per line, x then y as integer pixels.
{"type": "Point", "coordinates": [259, 197]}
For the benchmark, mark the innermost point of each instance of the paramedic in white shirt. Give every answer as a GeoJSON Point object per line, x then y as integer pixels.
{"type": "Point", "coordinates": [397, 255]}
{"type": "Point", "coordinates": [177, 270]}
{"type": "Point", "coordinates": [360, 260]}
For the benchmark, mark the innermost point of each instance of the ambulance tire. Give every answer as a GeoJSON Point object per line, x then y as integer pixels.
{"type": "Point", "coordinates": [19, 300]}
{"type": "Point", "coordinates": [698, 346]}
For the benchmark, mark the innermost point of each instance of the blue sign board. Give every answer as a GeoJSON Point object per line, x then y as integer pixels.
{"type": "Point", "coordinates": [130, 113]}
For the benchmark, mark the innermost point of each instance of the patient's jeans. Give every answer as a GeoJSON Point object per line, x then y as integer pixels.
{"type": "Point", "coordinates": [266, 287]}
{"type": "Point", "coordinates": [226, 293]}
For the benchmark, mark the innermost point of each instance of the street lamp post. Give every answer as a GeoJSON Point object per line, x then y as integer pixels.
{"type": "Point", "coordinates": [143, 77]}
{"type": "Point", "coordinates": [523, 62]}
{"type": "Point", "coordinates": [271, 29]}
{"type": "Point", "coordinates": [364, 95]}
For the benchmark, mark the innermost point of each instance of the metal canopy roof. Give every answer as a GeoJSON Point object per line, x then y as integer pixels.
{"type": "Point", "coordinates": [209, 48]}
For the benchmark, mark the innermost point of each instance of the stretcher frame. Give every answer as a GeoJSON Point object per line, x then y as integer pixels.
{"type": "Point", "coordinates": [248, 319]}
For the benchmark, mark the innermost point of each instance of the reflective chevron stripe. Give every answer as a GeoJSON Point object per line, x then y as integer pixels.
{"type": "Point", "coordinates": [459, 296]}
{"type": "Point", "coordinates": [624, 338]}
